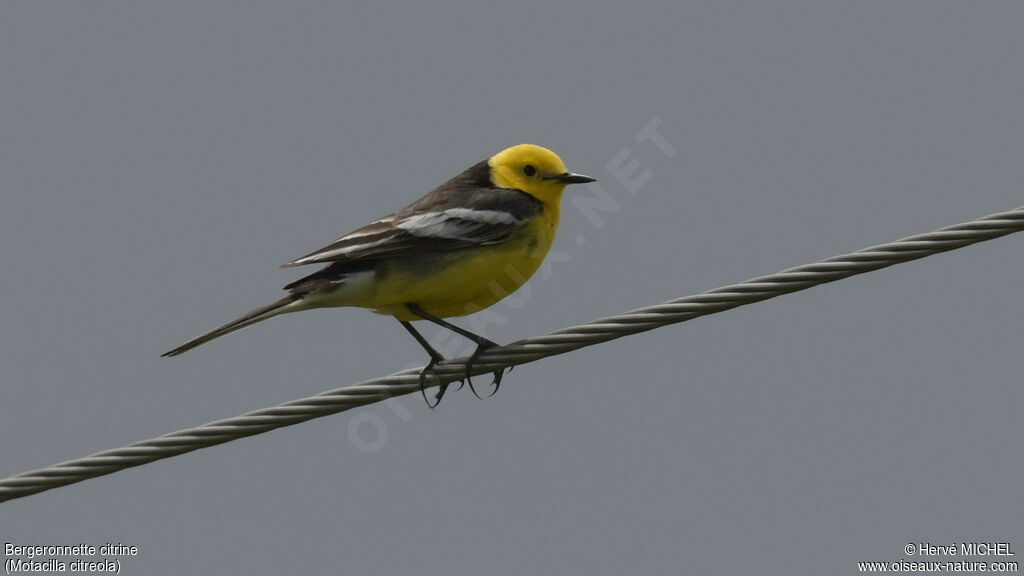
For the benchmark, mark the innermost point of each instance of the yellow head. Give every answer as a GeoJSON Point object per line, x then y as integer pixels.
{"type": "Point", "coordinates": [535, 170]}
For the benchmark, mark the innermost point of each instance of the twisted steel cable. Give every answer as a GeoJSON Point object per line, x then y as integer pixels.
{"type": "Point", "coordinates": [521, 352]}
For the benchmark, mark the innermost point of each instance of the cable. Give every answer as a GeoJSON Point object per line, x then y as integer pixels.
{"type": "Point", "coordinates": [521, 352]}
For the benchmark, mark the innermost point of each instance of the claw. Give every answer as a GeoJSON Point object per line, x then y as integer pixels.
{"type": "Point", "coordinates": [440, 394]}
{"type": "Point", "coordinates": [473, 388]}
{"type": "Point", "coordinates": [497, 381]}
{"type": "Point", "coordinates": [480, 347]}
{"type": "Point", "coordinates": [423, 384]}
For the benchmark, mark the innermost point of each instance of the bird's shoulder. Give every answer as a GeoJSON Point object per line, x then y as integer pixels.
{"type": "Point", "coordinates": [460, 195]}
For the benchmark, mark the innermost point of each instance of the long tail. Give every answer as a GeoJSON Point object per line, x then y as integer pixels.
{"type": "Point", "coordinates": [254, 316]}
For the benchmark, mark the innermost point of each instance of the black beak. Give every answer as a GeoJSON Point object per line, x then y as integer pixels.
{"type": "Point", "coordinates": [570, 178]}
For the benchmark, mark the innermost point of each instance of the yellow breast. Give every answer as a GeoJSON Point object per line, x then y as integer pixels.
{"type": "Point", "coordinates": [460, 282]}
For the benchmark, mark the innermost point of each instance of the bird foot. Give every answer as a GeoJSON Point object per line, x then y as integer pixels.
{"type": "Point", "coordinates": [496, 383]}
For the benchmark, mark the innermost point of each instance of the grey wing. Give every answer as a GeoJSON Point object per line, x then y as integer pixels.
{"type": "Point", "coordinates": [446, 219]}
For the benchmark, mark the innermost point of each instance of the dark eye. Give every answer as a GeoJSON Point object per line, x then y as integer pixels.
{"type": "Point", "coordinates": [529, 170]}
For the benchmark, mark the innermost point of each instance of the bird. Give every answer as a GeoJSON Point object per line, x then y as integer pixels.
{"type": "Point", "coordinates": [459, 249]}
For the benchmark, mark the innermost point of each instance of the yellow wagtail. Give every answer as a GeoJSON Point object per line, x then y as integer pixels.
{"type": "Point", "coordinates": [461, 248]}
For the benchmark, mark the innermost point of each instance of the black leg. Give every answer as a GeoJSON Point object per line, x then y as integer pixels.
{"type": "Point", "coordinates": [415, 309]}
{"type": "Point", "coordinates": [481, 345]}
{"type": "Point", "coordinates": [435, 357]}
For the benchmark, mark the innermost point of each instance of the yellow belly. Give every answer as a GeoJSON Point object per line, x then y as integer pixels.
{"type": "Point", "coordinates": [456, 283]}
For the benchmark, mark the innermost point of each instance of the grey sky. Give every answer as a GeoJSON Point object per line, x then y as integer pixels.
{"type": "Point", "coordinates": [159, 160]}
